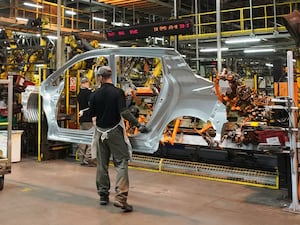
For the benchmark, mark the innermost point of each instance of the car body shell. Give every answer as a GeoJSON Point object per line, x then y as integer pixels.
{"type": "Point", "coordinates": [183, 93]}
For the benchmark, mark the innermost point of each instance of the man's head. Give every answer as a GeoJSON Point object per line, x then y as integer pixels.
{"type": "Point", "coordinates": [103, 73]}
{"type": "Point", "coordinates": [84, 82]}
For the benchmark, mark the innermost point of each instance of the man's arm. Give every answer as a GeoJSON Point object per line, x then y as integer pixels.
{"type": "Point", "coordinates": [127, 115]}
{"type": "Point", "coordinates": [94, 120]}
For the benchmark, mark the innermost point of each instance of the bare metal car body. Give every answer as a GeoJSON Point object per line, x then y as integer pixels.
{"type": "Point", "coordinates": [183, 94]}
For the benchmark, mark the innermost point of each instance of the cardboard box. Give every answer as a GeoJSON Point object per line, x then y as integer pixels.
{"type": "Point", "coordinates": [15, 144]}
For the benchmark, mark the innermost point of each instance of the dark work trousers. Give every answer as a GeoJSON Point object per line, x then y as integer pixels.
{"type": "Point", "coordinates": [84, 150]}
{"type": "Point", "coordinates": [113, 145]}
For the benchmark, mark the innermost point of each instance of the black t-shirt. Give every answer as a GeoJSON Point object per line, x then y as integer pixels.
{"type": "Point", "coordinates": [83, 98]}
{"type": "Point", "coordinates": [107, 103]}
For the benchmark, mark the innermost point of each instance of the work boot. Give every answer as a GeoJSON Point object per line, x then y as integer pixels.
{"type": "Point", "coordinates": [84, 163]}
{"type": "Point", "coordinates": [92, 162]}
{"type": "Point", "coordinates": [124, 206]}
{"type": "Point", "coordinates": [104, 200]}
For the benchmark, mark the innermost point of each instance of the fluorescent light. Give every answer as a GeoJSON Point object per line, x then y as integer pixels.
{"type": "Point", "coordinates": [259, 50]}
{"type": "Point", "coordinates": [96, 32]}
{"type": "Point", "coordinates": [70, 12]}
{"type": "Point", "coordinates": [269, 64]}
{"type": "Point", "coordinates": [22, 19]}
{"type": "Point", "coordinates": [106, 45]}
{"type": "Point", "coordinates": [120, 24]}
{"type": "Point", "coordinates": [33, 5]}
{"type": "Point", "coordinates": [52, 37]}
{"type": "Point", "coordinates": [242, 40]}
{"type": "Point", "coordinates": [99, 19]}
{"type": "Point", "coordinates": [212, 49]}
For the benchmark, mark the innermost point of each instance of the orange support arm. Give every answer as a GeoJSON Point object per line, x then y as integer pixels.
{"type": "Point", "coordinates": [204, 129]}
{"type": "Point", "coordinates": [217, 88]}
{"type": "Point", "coordinates": [175, 130]}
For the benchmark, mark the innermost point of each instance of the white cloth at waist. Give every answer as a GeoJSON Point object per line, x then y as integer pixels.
{"type": "Point", "coordinates": [104, 135]}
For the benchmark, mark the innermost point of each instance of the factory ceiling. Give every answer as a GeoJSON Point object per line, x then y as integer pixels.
{"type": "Point", "coordinates": [161, 8]}
{"type": "Point", "coordinates": [139, 11]}
{"type": "Point", "coordinates": [150, 11]}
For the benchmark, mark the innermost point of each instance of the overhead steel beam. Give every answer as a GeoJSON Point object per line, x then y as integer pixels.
{"type": "Point", "coordinates": [139, 5]}
{"type": "Point", "coordinates": [94, 3]}
{"type": "Point", "coordinates": [130, 4]}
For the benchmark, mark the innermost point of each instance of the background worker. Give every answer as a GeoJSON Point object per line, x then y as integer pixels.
{"type": "Point", "coordinates": [85, 120]}
{"type": "Point", "coordinates": [108, 106]}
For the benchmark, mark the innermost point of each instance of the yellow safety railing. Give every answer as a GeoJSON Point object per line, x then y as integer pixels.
{"type": "Point", "coordinates": [48, 14]}
{"type": "Point", "coordinates": [238, 21]}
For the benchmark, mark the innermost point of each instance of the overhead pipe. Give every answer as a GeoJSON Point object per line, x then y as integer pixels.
{"type": "Point", "coordinates": [175, 17]}
{"type": "Point", "coordinates": [251, 17]}
{"type": "Point", "coordinates": [219, 53]}
{"type": "Point", "coordinates": [91, 16]}
{"type": "Point", "coordinates": [114, 15]}
{"type": "Point", "coordinates": [9, 116]}
{"type": "Point", "coordinates": [197, 39]}
{"type": "Point", "coordinates": [59, 44]}
{"type": "Point", "coordinates": [97, 3]}
{"type": "Point", "coordinates": [275, 17]}
{"type": "Point", "coordinates": [293, 130]}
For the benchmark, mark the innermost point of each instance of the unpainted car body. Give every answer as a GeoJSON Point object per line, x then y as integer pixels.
{"type": "Point", "coordinates": [183, 93]}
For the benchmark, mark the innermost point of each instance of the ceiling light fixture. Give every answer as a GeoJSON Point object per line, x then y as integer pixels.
{"type": "Point", "coordinates": [71, 12]}
{"type": "Point", "coordinates": [120, 24]}
{"type": "Point", "coordinates": [99, 19]}
{"type": "Point", "coordinates": [107, 45]}
{"type": "Point", "coordinates": [257, 50]}
{"type": "Point", "coordinates": [52, 37]}
{"type": "Point", "coordinates": [22, 19]}
{"type": "Point", "coordinates": [269, 64]}
{"type": "Point", "coordinates": [242, 40]}
{"type": "Point", "coordinates": [212, 49]}
{"type": "Point", "coordinates": [33, 5]}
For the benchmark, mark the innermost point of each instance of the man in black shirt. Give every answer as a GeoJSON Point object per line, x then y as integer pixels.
{"type": "Point", "coordinates": [108, 106]}
{"type": "Point", "coordinates": [85, 120]}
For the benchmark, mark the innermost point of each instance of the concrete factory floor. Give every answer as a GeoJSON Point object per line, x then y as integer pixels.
{"type": "Point", "coordinates": [61, 192]}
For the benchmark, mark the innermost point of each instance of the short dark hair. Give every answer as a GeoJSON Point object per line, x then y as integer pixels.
{"type": "Point", "coordinates": [104, 71]}
{"type": "Point", "coordinates": [84, 80]}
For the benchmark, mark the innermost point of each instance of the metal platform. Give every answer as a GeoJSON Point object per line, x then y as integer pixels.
{"type": "Point", "coordinates": [222, 173]}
